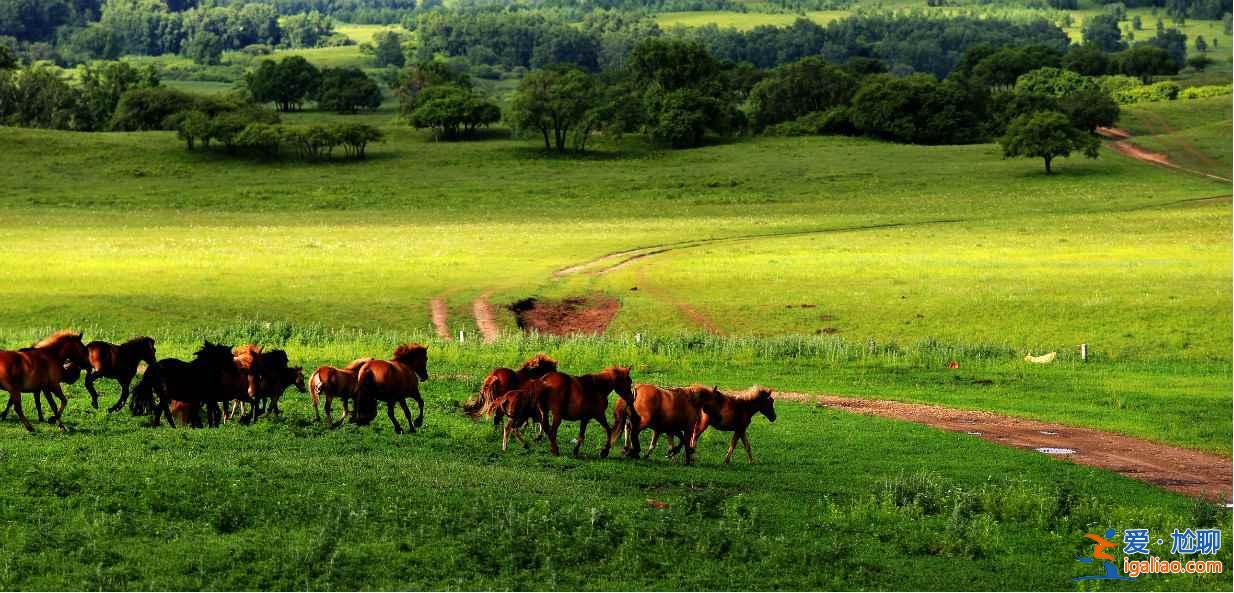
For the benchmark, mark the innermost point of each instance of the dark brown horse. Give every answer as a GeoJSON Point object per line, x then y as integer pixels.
{"type": "Point", "coordinates": [674, 412]}
{"type": "Point", "coordinates": [119, 362]}
{"type": "Point", "coordinates": [519, 406]}
{"type": "Point", "coordinates": [394, 380]}
{"type": "Point", "coordinates": [274, 384]}
{"type": "Point", "coordinates": [41, 368]}
{"type": "Point", "coordinates": [583, 398]}
{"type": "Point", "coordinates": [334, 382]}
{"type": "Point", "coordinates": [211, 378]}
{"type": "Point", "coordinates": [501, 380]}
{"type": "Point", "coordinates": [734, 413]}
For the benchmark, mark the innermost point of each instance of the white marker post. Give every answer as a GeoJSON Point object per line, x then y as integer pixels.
{"type": "Point", "coordinates": [460, 336]}
{"type": "Point", "coordinates": [1084, 352]}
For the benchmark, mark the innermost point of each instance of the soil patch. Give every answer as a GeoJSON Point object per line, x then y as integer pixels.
{"type": "Point", "coordinates": [485, 320]}
{"type": "Point", "coordinates": [1189, 472]}
{"type": "Point", "coordinates": [440, 315]}
{"type": "Point", "coordinates": [588, 314]}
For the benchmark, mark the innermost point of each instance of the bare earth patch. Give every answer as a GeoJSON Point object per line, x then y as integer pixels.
{"type": "Point", "coordinates": [588, 315]}
{"type": "Point", "coordinates": [485, 320]}
{"type": "Point", "coordinates": [440, 315]}
{"type": "Point", "coordinates": [1189, 472]}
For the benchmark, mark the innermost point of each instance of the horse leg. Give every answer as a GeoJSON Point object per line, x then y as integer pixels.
{"type": "Point", "coordinates": [655, 440]}
{"type": "Point", "coordinates": [94, 395]}
{"type": "Point", "coordinates": [582, 434]}
{"type": "Point", "coordinates": [124, 396]}
{"type": "Point", "coordinates": [411, 426]}
{"type": "Point", "coordinates": [415, 394]}
{"type": "Point", "coordinates": [619, 419]}
{"type": "Point", "coordinates": [505, 434]}
{"type": "Point", "coordinates": [746, 441]}
{"type": "Point", "coordinates": [608, 433]}
{"type": "Point", "coordinates": [15, 402]}
{"type": "Point", "coordinates": [329, 405]}
{"type": "Point", "coordinates": [5, 414]}
{"type": "Point", "coordinates": [731, 445]}
{"type": "Point", "coordinates": [390, 412]}
{"type": "Point", "coordinates": [552, 434]}
{"type": "Point", "coordinates": [64, 403]}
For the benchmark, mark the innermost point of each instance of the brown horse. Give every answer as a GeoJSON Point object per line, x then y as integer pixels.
{"type": "Point", "coordinates": [673, 412]}
{"type": "Point", "coordinates": [393, 381]}
{"type": "Point", "coordinates": [72, 373]}
{"type": "Point", "coordinates": [334, 382]}
{"type": "Point", "coordinates": [501, 380]}
{"type": "Point", "coordinates": [274, 385]}
{"type": "Point", "coordinates": [41, 368]}
{"type": "Point", "coordinates": [519, 406]}
{"type": "Point", "coordinates": [583, 398]}
{"type": "Point", "coordinates": [734, 413]}
{"type": "Point", "coordinates": [119, 362]}
{"type": "Point", "coordinates": [211, 378]}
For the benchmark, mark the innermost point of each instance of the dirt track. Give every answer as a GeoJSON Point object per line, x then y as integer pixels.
{"type": "Point", "coordinates": [440, 314]}
{"type": "Point", "coordinates": [485, 320]}
{"type": "Point", "coordinates": [1119, 141]}
{"type": "Point", "coordinates": [1182, 470]}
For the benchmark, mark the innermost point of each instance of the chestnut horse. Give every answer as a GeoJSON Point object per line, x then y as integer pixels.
{"type": "Point", "coordinates": [72, 373]}
{"type": "Point", "coordinates": [393, 381]}
{"type": "Point", "coordinates": [583, 398]}
{"type": "Point", "coordinates": [212, 377]}
{"type": "Point", "coordinates": [519, 406]}
{"type": "Point", "coordinates": [334, 382]}
{"type": "Point", "coordinates": [734, 413]}
{"type": "Point", "coordinates": [674, 412]}
{"type": "Point", "coordinates": [119, 362]}
{"type": "Point", "coordinates": [501, 380]}
{"type": "Point", "coordinates": [41, 368]}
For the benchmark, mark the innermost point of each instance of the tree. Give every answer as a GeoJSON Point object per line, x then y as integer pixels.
{"type": "Point", "coordinates": [309, 29]}
{"type": "Point", "coordinates": [453, 112]}
{"type": "Point", "coordinates": [1087, 60]}
{"type": "Point", "coordinates": [1137, 23]}
{"type": "Point", "coordinates": [683, 94]}
{"type": "Point", "coordinates": [1199, 62]}
{"type": "Point", "coordinates": [1053, 82]}
{"type": "Point", "coordinates": [355, 138]}
{"type": "Point", "coordinates": [422, 75]}
{"type": "Point", "coordinates": [388, 50]}
{"type": "Point", "coordinates": [1200, 44]}
{"type": "Point", "coordinates": [347, 90]}
{"type": "Point", "coordinates": [919, 109]}
{"type": "Point", "coordinates": [204, 47]}
{"type": "Point", "coordinates": [102, 85]}
{"type": "Point", "coordinates": [1174, 43]}
{"type": "Point", "coordinates": [1089, 108]}
{"type": "Point", "coordinates": [796, 89]}
{"type": "Point", "coordinates": [8, 60]}
{"type": "Point", "coordinates": [148, 108]}
{"type": "Point", "coordinates": [286, 83]}
{"type": "Point", "coordinates": [1145, 61]}
{"type": "Point", "coordinates": [1046, 135]}
{"type": "Point", "coordinates": [1102, 31]}
{"type": "Point", "coordinates": [556, 101]}
{"type": "Point", "coordinates": [192, 126]}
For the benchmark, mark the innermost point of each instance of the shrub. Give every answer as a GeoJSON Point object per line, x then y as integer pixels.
{"type": "Point", "coordinates": [1161, 91]}
{"type": "Point", "coordinates": [833, 121]}
{"type": "Point", "coordinates": [258, 139]}
{"type": "Point", "coordinates": [1200, 92]}
{"type": "Point", "coordinates": [148, 108]}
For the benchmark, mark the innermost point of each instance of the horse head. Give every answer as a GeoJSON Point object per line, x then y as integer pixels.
{"type": "Point", "coordinates": [145, 350]}
{"type": "Point", "coordinates": [297, 378]}
{"type": "Point", "coordinates": [539, 365]}
{"type": "Point", "coordinates": [414, 356]}
{"type": "Point", "coordinates": [766, 403]}
{"type": "Point", "coordinates": [67, 346]}
{"type": "Point", "coordinates": [622, 383]}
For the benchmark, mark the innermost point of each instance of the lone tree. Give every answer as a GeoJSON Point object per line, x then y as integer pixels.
{"type": "Point", "coordinates": [557, 101]}
{"type": "Point", "coordinates": [347, 90]}
{"type": "Point", "coordinates": [1047, 135]}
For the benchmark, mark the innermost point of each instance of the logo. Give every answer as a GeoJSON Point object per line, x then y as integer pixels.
{"type": "Point", "coordinates": [1100, 545]}
{"type": "Point", "coordinates": [1136, 542]}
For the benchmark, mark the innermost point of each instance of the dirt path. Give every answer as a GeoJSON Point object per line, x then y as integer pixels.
{"type": "Point", "coordinates": [1182, 470]}
{"type": "Point", "coordinates": [697, 318]}
{"type": "Point", "coordinates": [1119, 141]}
{"type": "Point", "coordinates": [485, 320]}
{"type": "Point", "coordinates": [440, 315]}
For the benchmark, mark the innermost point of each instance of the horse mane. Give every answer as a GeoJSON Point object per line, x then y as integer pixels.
{"type": "Point", "coordinates": [246, 350]}
{"type": "Point", "coordinates": [139, 341]}
{"type": "Point", "coordinates": [277, 358]}
{"type": "Point", "coordinates": [406, 351]}
{"type": "Point", "coordinates": [355, 365]}
{"type": "Point", "coordinates": [57, 337]}
{"type": "Point", "coordinates": [540, 361]}
{"type": "Point", "coordinates": [752, 394]}
{"type": "Point", "coordinates": [210, 351]}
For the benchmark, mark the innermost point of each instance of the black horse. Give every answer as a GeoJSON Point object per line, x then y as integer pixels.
{"type": "Point", "coordinates": [211, 378]}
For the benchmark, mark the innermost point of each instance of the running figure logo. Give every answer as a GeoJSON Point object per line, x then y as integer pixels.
{"type": "Point", "coordinates": [1100, 545]}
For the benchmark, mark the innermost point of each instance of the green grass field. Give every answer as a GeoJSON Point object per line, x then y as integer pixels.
{"type": "Point", "coordinates": [906, 257]}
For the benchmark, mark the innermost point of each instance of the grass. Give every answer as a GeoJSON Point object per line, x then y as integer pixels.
{"type": "Point", "coordinates": [127, 507]}
{"type": "Point", "coordinates": [1195, 133]}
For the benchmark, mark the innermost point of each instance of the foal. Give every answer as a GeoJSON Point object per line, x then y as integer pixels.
{"type": "Point", "coordinates": [334, 382]}
{"type": "Point", "coordinates": [119, 362]}
{"type": "Point", "coordinates": [501, 380]}
{"type": "Point", "coordinates": [734, 413]}
{"type": "Point", "coordinates": [519, 406]}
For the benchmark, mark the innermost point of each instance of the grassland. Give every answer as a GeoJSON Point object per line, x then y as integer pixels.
{"type": "Point", "coordinates": [1194, 133]}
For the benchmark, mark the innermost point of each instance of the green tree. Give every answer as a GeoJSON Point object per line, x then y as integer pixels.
{"type": "Point", "coordinates": [1087, 60]}
{"type": "Point", "coordinates": [8, 60]}
{"type": "Point", "coordinates": [347, 90]}
{"type": "Point", "coordinates": [557, 101]}
{"type": "Point", "coordinates": [1146, 61]}
{"type": "Point", "coordinates": [1102, 31]}
{"type": "Point", "coordinates": [286, 83]}
{"type": "Point", "coordinates": [453, 112]}
{"type": "Point", "coordinates": [192, 126]}
{"type": "Point", "coordinates": [683, 92]}
{"type": "Point", "coordinates": [388, 50]}
{"type": "Point", "coordinates": [422, 75]}
{"type": "Point", "coordinates": [796, 89]}
{"type": "Point", "coordinates": [1046, 135]}
{"type": "Point", "coordinates": [1200, 44]}
{"type": "Point", "coordinates": [204, 47]}
{"type": "Point", "coordinates": [1199, 62]}
{"type": "Point", "coordinates": [355, 138]}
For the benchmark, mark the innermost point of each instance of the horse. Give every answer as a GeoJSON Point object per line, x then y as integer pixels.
{"type": "Point", "coordinates": [393, 381]}
{"type": "Point", "coordinates": [501, 380]}
{"type": "Point", "coordinates": [41, 368]}
{"type": "Point", "coordinates": [271, 375]}
{"type": "Point", "coordinates": [72, 373]}
{"type": "Point", "coordinates": [275, 383]}
{"type": "Point", "coordinates": [210, 378]}
{"type": "Point", "coordinates": [734, 413]}
{"type": "Point", "coordinates": [119, 362]}
{"type": "Point", "coordinates": [334, 382]}
{"type": "Point", "coordinates": [519, 406]}
{"type": "Point", "coordinates": [583, 398]}
{"type": "Point", "coordinates": [674, 412]}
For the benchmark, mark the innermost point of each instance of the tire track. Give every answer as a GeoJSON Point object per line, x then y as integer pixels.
{"type": "Point", "coordinates": [1120, 141]}
{"type": "Point", "coordinates": [1181, 470]}
{"type": "Point", "coordinates": [440, 313]}
{"type": "Point", "coordinates": [696, 317]}
{"type": "Point", "coordinates": [485, 320]}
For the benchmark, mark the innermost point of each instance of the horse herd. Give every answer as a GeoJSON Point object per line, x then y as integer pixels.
{"type": "Point", "coordinates": [220, 381]}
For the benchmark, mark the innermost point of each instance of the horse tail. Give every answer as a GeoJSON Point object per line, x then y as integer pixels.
{"type": "Point", "coordinates": [143, 394]}
{"type": "Point", "coordinates": [314, 388]}
{"type": "Point", "coordinates": [364, 406]}
{"type": "Point", "coordinates": [481, 405]}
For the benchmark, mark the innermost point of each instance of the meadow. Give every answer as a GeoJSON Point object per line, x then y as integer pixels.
{"type": "Point", "coordinates": [818, 265]}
